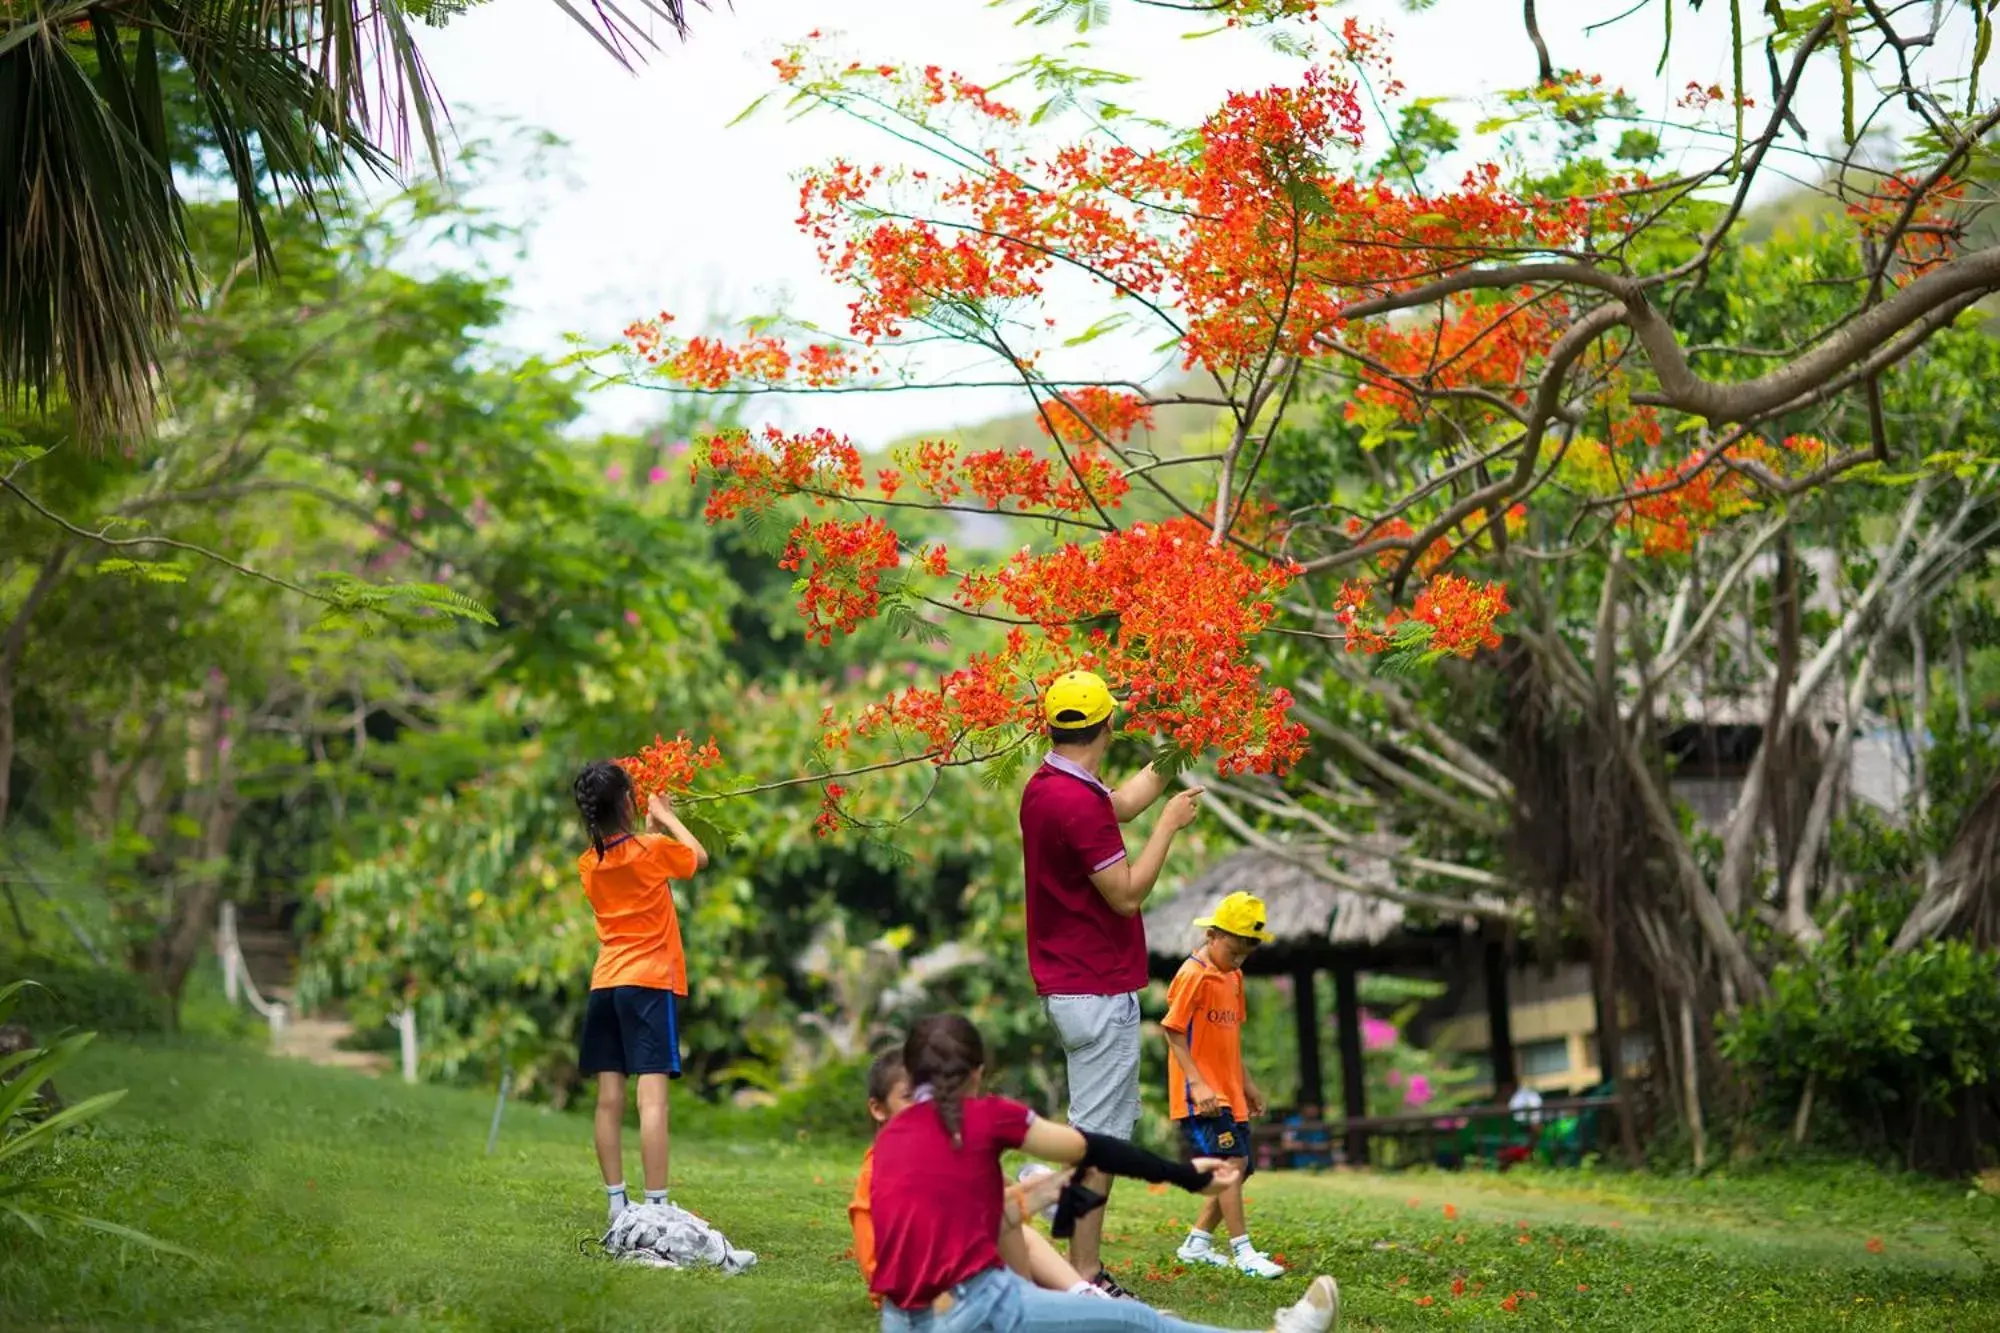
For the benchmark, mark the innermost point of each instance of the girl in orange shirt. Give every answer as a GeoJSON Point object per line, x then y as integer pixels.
{"type": "Point", "coordinates": [631, 1025]}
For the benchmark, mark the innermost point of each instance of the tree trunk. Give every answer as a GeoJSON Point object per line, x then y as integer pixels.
{"type": "Point", "coordinates": [1958, 673]}
{"type": "Point", "coordinates": [1919, 733]}
{"type": "Point", "coordinates": [1611, 1028]}
{"type": "Point", "coordinates": [1819, 817]}
{"type": "Point", "coordinates": [187, 934]}
{"type": "Point", "coordinates": [1691, 1083]}
{"type": "Point", "coordinates": [13, 644]}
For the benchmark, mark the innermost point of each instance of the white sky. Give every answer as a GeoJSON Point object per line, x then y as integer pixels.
{"type": "Point", "coordinates": [657, 206]}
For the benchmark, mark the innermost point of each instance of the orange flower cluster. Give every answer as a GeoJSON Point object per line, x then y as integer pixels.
{"type": "Point", "coordinates": [1474, 344]}
{"type": "Point", "coordinates": [1932, 234]}
{"type": "Point", "coordinates": [1249, 232]}
{"type": "Point", "coordinates": [1164, 615]}
{"type": "Point", "coordinates": [829, 818]}
{"type": "Point", "coordinates": [1092, 414]}
{"type": "Point", "coordinates": [1033, 482]}
{"type": "Point", "coordinates": [843, 563]}
{"type": "Point", "coordinates": [1040, 483]}
{"type": "Point", "coordinates": [1670, 507]}
{"type": "Point", "coordinates": [710, 363]}
{"type": "Point", "coordinates": [1471, 529]}
{"type": "Point", "coordinates": [668, 766]}
{"type": "Point", "coordinates": [754, 472]}
{"type": "Point", "coordinates": [1400, 530]}
{"type": "Point", "coordinates": [1459, 612]}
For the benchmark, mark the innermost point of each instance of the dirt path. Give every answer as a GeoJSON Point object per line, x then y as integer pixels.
{"type": "Point", "coordinates": [317, 1040]}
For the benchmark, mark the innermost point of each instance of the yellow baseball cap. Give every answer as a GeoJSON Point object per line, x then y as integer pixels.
{"type": "Point", "coordinates": [1239, 914]}
{"type": "Point", "coordinates": [1077, 699]}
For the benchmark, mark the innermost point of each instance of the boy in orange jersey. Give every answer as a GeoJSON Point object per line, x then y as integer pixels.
{"type": "Point", "coordinates": [1209, 1092]}
{"type": "Point", "coordinates": [631, 1025]}
{"type": "Point", "coordinates": [1024, 1249]}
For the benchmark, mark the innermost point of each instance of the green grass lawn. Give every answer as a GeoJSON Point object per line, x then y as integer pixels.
{"type": "Point", "coordinates": [323, 1199]}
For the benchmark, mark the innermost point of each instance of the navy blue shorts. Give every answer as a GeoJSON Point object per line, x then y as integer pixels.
{"type": "Point", "coordinates": [1218, 1136]}
{"type": "Point", "coordinates": [631, 1030]}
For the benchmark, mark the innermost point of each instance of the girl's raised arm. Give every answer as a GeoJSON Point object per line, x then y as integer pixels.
{"type": "Point", "coordinates": [660, 814]}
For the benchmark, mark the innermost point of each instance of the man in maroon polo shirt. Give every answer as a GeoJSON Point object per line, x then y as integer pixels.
{"type": "Point", "coordinates": [1086, 942]}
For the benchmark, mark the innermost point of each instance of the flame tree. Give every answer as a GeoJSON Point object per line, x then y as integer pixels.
{"type": "Point", "coordinates": [1446, 379]}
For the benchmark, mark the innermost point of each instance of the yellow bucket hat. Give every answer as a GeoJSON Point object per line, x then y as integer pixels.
{"type": "Point", "coordinates": [1077, 699]}
{"type": "Point", "coordinates": [1239, 914]}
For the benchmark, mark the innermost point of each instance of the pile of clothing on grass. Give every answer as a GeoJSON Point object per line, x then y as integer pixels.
{"type": "Point", "coordinates": [660, 1235]}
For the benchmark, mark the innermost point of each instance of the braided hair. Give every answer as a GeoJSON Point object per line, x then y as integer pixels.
{"type": "Point", "coordinates": [604, 799]}
{"type": "Point", "coordinates": [945, 1053]}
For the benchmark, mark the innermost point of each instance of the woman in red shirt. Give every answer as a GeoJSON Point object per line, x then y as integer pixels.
{"type": "Point", "coordinates": [939, 1199]}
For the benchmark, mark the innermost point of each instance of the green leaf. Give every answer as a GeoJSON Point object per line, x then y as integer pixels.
{"type": "Point", "coordinates": [147, 571]}
{"type": "Point", "coordinates": [711, 833]}
{"type": "Point", "coordinates": [1170, 761]}
{"type": "Point", "coordinates": [1099, 329]}
{"type": "Point", "coordinates": [122, 1232]}
{"type": "Point", "coordinates": [10, 994]}
{"type": "Point", "coordinates": [748, 111]}
{"type": "Point", "coordinates": [44, 1130]}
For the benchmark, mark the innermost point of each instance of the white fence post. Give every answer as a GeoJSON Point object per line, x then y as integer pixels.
{"type": "Point", "coordinates": [499, 1106]}
{"type": "Point", "coordinates": [406, 1025]}
{"type": "Point", "coordinates": [236, 979]}
{"type": "Point", "coordinates": [225, 945]}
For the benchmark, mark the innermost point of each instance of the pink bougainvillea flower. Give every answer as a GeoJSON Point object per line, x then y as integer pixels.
{"type": "Point", "coordinates": [631, 617]}
{"type": "Point", "coordinates": [656, 474]}
{"type": "Point", "coordinates": [616, 472]}
{"type": "Point", "coordinates": [1377, 1033]}
{"type": "Point", "coordinates": [1418, 1091]}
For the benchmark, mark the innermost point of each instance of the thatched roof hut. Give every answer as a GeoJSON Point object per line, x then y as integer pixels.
{"type": "Point", "coordinates": [1301, 909]}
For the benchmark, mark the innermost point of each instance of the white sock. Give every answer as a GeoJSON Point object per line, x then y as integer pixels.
{"type": "Point", "coordinates": [614, 1197]}
{"type": "Point", "coordinates": [656, 1196]}
{"type": "Point", "coordinates": [1240, 1244]}
{"type": "Point", "coordinates": [1085, 1289]}
{"type": "Point", "coordinates": [1199, 1239]}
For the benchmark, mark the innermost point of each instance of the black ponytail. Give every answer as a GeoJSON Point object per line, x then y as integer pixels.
{"type": "Point", "coordinates": [604, 798]}
{"type": "Point", "coordinates": [945, 1053]}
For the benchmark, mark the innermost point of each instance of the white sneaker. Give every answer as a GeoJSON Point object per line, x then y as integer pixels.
{"type": "Point", "coordinates": [1252, 1263]}
{"type": "Point", "coordinates": [1201, 1252]}
{"type": "Point", "coordinates": [1034, 1171]}
{"type": "Point", "coordinates": [1317, 1312]}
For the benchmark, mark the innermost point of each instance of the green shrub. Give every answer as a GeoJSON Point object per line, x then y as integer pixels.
{"type": "Point", "coordinates": [1896, 1045]}
{"type": "Point", "coordinates": [68, 995]}
{"type": "Point", "coordinates": [832, 1103]}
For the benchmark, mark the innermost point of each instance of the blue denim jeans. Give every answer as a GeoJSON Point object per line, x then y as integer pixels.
{"type": "Point", "coordinates": [1002, 1301]}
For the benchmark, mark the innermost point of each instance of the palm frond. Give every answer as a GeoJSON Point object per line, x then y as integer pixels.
{"type": "Point", "coordinates": [619, 33]}
{"type": "Point", "coordinates": [298, 96]}
{"type": "Point", "coordinates": [93, 260]}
